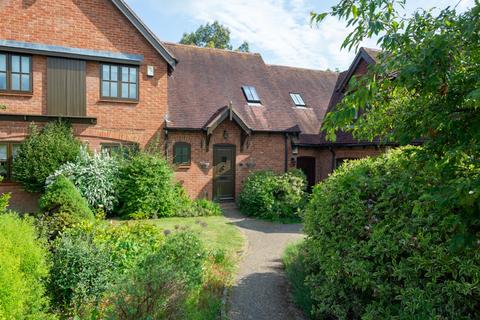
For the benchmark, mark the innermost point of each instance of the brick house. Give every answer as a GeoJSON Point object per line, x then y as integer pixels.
{"type": "Point", "coordinates": [217, 114]}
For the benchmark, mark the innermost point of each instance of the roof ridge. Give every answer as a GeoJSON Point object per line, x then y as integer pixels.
{"type": "Point", "coordinates": [302, 68]}
{"type": "Point", "coordinates": [208, 48]}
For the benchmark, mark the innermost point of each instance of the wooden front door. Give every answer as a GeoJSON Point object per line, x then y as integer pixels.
{"type": "Point", "coordinates": [307, 165]}
{"type": "Point", "coordinates": [223, 172]}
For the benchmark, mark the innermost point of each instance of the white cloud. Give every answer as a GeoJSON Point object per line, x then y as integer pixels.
{"type": "Point", "coordinates": [281, 30]}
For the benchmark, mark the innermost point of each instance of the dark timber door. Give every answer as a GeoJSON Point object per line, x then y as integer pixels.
{"type": "Point", "coordinates": [223, 172]}
{"type": "Point", "coordinates": [307, 165]}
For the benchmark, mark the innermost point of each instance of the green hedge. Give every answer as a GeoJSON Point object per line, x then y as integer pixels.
{"type": "Point", "coordinates": [23, 270]}
{"type": "Point", "coordinates": [43, 152]}
{"type": "Point", "coordinates": [379, 245]}
{"type": "Point", "coordinates": [273, 196]}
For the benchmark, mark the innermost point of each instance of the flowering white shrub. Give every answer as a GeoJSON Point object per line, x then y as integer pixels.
{"type": "Point", "coordinates": [95, 176]}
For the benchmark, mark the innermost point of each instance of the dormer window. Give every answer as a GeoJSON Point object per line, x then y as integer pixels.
{"type": "Point", "coordinates": [298, 100]}
{"type": "Point", "coordinates": [251, 94]}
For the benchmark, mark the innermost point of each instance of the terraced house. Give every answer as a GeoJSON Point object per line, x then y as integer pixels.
{"type": "Point", "coordinates": [218, 115]}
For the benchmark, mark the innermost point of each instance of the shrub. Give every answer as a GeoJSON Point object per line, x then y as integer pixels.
{"type": "Point", "coordinates": [81, 273]}
{"type": "Point", "coordinates": [146, 188]}
{"type": "Point", "coordinates": [200, 208]}
{"type": "Point", "coordinates": [379, 245]}
{"type": "Point", "coordinates": [294, 262]}
{"type": "Point", "coordinates": [160, 286]}
{"type": "Point", "coordinates": [42, 153]}
{"type": "Point", "coordinates": [95, 176]}
{"type": "Point", "coordinates": [23, 269]}
{"type": "Point", "coordinates": [62, 206]}
{"type": "Point", "coordinates": [272, 196]}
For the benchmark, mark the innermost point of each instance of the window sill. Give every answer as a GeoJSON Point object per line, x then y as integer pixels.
{"type": "Point", "coordinates": [182, 166]}
{"type": "Point", "coordinates": [119, 101]}
{"type": "Point", "coordinates": [16, 94]}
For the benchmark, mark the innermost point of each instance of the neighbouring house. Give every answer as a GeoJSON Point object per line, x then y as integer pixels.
{"type": "Point", "coordinates": [218, 115]}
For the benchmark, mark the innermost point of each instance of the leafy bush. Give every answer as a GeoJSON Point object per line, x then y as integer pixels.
{"type": "Point", "coordinates": [293, 260]}
{"type": "Point", "coordinates": [95, 176]}
{"type": "Point", "coordinates": [81, 273]}
{"type": "Point", "coordinates": [199, 208]}
{"type": "Point", "coordinates": [62, 206]}
{"type": "Point", "coordinates": [42, 153]}
{"type": "Point", "coordinates": [272, 196]}
{"type": "Point", "coordinates": [379, 245]}
{"type": "Point", "coordinates": [147, 188]}
{"type": "Point", "coordinates": [160, 286]}
{"type": "Point", "coordinates": [23, 269]}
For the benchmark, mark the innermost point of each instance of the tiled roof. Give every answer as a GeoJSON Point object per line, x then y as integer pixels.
{"type": "Point", "coordinates": [206, 80]}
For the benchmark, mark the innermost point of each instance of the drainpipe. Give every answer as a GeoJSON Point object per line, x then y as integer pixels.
{"type": "Point", "coordinates": [334, 158]}
{"type": "Point", "coordinates": [166, 143]}
{"type": "Point", "coordinates": [286, 152]}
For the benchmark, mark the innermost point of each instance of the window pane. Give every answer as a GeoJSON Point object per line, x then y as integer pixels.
{"type": "Point", "coordinates": [25, 82]}
{"type": "Point", "coordinates": [124, 90]}
{"type": "Point", "coordinates": [15, 82]}
{"type": "Point", "coordinates": [113, 89]}
{"type": "Point", "coordinates": [25, 65]}
{"type": "Point", "coordinates": [125, 74]}
{"type": "Point", "coordinates": [3, 81]}
{"type": "Point", "coordinates": [105, 89]}
{"type": "Point", "coordinates": [15, 149]}
{"type": "Point", "coordinates": [3, 62]}
{"type": "Point", "coordinates": [133, 91]}
{"type": "Point", "coordinates": [133, 75]}
{"type": "Point", "coordinates": [3, 152]}
{"type": "Point", "coordinates": [105, 72]}
{"type": "Point", "coordinates": [3, 169]}
{"type": "Point", "coordinates": [114, 73]}
{"type": "Point", "coordinates": [15, 64]}
{"type": "Point", "coordinates": [254, 94]}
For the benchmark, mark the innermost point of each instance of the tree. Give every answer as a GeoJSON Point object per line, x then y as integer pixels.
{"type": "Point", "coordinates": [213, 35]}
{"type": "Point", "coordinates": [425, 85]}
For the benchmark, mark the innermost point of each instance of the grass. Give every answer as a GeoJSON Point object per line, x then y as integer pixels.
{"type": "Point", "coordinates": [295, 270]}
{"type": "Point", "coordinates": [224, 242]}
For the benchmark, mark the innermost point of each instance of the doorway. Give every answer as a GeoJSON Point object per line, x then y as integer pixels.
{"type": "Point", "coordinates": [223, 172]}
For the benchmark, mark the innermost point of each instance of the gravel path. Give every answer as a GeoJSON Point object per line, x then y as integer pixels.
{"type": "Point", "coordinates": [261, 290]}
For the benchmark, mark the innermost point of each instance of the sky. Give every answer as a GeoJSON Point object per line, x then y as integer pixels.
{"type": "Point", "coordinates": [279, 30]}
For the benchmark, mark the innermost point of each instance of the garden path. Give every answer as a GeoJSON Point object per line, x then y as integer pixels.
{"type": "Point", "coordinates": [261, 289]}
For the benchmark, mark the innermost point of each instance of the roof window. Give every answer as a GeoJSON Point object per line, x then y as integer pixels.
{"type": "Point", "coordinates": [251, 94]}
{"type": "Point", "coordinates": [297, 99]}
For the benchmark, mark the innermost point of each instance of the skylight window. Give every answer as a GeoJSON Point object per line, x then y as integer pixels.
{"type": "Point", "coordinates": [251, 94]}
{"type": "Point", "coordinates": [297, 99]}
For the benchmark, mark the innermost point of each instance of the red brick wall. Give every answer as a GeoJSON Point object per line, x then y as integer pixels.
{"type": "Point", "coordinates": [20, 200]}
{"type": "Point", "coordinates": [264, 151]}
{"type": "Point", "coordinates": [90, 24]}
{"type": "Point", "coordinates": [323, 157]}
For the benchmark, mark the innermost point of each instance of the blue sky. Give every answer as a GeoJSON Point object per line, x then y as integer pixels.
{"type": "Point", "coordinates": [278, 29]}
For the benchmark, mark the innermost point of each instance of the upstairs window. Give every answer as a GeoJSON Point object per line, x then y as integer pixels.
{"type": "Point", "coordinates": [181, 153]}
{"type": "Point", "coordinates": [15, 73]}
{"type": "Point", "coordinates": [251, 94]}
{"type": "Point", "coordinates": [298, 100]}
{"type": "Point", "coordinates": [119, 82]}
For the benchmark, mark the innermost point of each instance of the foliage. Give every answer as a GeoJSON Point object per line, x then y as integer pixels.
{"type": "Point", "coordinates": [81, 273]}
{"type": "Point", "coordinates": [294, 262]}
{"type": "Point", "coordinates": [200, 208]}
{"type": "Point", "coordinates": [146, 187]}
{"type": "Point", "coordinates": [272, 196]}
{"type": "Point", "coordinates": [43, 152]}
{"type": "Point", "coordinates": [212, 35]}
{"type": "Point", "coordinates": [425, 85]}
{"type": "Point", "coordinates": [159, 287]}
{"type": "Point", "coordinates": [62, 207]}
{"type": "Point", "coordinates": [379, 245]}
{"type": "Point", "coordinates": [95, 176]}
{"type": "Point", "coordinates": [23, 268]}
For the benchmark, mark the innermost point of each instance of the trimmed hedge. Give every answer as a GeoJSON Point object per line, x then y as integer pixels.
{"type": "Point", "coordinates": [379, 245]}
{"type": "Point", "coordinates": [273, 196]}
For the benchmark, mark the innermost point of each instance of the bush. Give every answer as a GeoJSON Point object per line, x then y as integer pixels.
{"type": "Point", "coordinates": [160, 286]}
{"type": "Point", "coordinates": [272, 196]}
{"type": "Point", "coordinates": [23, 269]}
{"type": "Point", "coordinates": [379, 245]}
{"type": "Point", "coordinates": [81, 273]}
{"type": "Point", "coordinates": [200, 208]}
{"type": "Point", "coordinates": [42, 153]}
{"type": "Point", "coordinates": [62, 206]}
{"type": "Point", "coordinates": [294, 262]}
{"type": "Point", "coordinates": [147, 189]}
{"type": "Point", "coordinates": [96, 177]}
